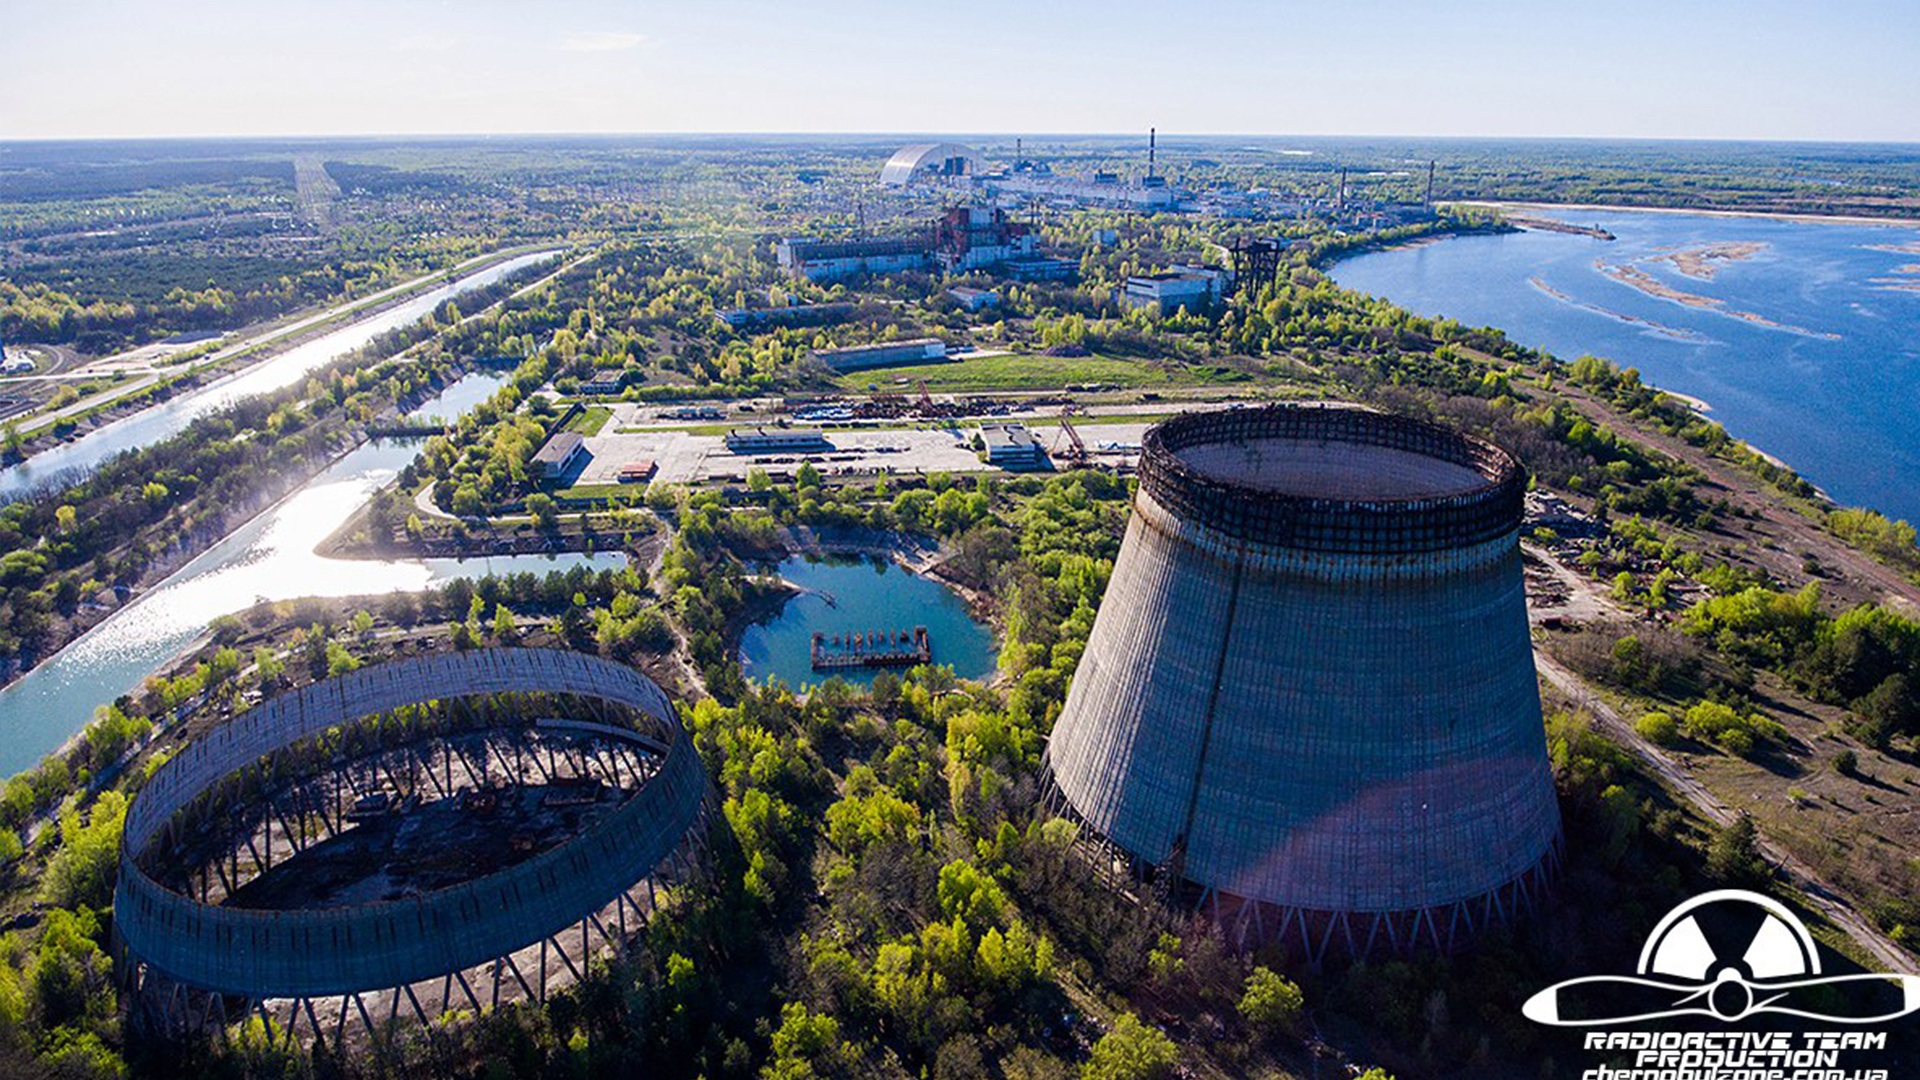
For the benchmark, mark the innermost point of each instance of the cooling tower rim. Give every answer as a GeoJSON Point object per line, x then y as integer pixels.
{"type": "Point", "coordinates": [1482, 512]}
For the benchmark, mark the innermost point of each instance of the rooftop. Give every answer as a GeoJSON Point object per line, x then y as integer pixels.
{"type": "Point", "coordinates": [558, 448]}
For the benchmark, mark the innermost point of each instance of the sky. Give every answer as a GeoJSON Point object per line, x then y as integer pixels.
{"type": "Point", "coordinates": [1844, 70]}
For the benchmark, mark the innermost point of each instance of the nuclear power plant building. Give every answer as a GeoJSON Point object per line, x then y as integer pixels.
{"type": "Point", "coordinates": [1308, 702]}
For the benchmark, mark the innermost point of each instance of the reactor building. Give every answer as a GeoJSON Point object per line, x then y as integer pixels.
{"type": "Point", "coordinates": [1308, 702]}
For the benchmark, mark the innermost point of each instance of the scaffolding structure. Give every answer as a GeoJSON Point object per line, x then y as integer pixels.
{"type": "Point", "coordinates": [279, 781]}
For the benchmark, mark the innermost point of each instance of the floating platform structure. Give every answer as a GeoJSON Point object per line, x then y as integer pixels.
{"type": "Point", "coordinates": [873, 648]}
{"type": "Point", "coordinates": [1308, 704]}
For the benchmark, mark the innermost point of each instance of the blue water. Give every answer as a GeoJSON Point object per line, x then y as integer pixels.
{"type": "Point", "coordinates": [270, 557]}
{"type": "Point", "coordinates": [460, 397]}
{"type": "Point", "coordinates": [172, 416]}
{"type": "Point", "coordinates": [1832, 390]}
{"type": "Point", "coordinates": [866, 594]}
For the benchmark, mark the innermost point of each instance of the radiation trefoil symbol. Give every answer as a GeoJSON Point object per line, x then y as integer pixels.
{"type": "Point", "coordinates": [1728, 955]}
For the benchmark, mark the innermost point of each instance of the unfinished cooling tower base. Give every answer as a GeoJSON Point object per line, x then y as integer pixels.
{"type": "Point", "coordinates": [1315, 936]}
{"type": "Point", "coordinates": [1308, 702]}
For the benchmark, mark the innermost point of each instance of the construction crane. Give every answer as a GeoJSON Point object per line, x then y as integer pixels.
{"type": "Point", "coordinates": [1077, 451]}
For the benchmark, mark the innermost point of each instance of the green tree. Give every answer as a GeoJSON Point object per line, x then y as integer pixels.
{"type": "Point", "coordinates": [80, 874]}
{"type": "Point", "coordinates": [1733, 856]}
{"type": "Point", "coordinates": [1271, 1004]}
{"type": "Point", "coordinates": [1131, 1051]}
{"type": "Point", "coordinates": [546, 512]}
{"type": "Point", "coordinates": [803, 1045]}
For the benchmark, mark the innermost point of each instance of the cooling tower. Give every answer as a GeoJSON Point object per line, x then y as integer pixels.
{"type": "Point", "coordinates": [1308, 700]}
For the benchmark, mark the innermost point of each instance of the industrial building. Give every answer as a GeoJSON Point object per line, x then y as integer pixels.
{"type": "Point", "coordinates": [1012, 446]}
{"type": "Point", "coordinates": [1308, 702]}
{"type": "Point", "coordinates": [883, 354]}
{"type": "Point", "coordinates": [776, 441]}
{"type": "Point", "coordinates": [833, 260]}
{"type": "Point", "coordinates": [974, 299]}
{"type": "Point", "coordinates": [559, 454]}
{"type": "Point", "coordinates": [929, 161]}
{"type": "Point", "coordinates": [279, 868]}
{"type": "Point", "coordinates": [787, 315]}
{"type": "Point", "coordinates": [1184, 286]}
{"type": "Point", "coordinates": [979, 238]}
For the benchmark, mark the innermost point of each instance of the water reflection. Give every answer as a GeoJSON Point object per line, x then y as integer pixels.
{"type": "Point", "coordinates": [857, 596]}
{"type": "Point", "coordinates": [171, 417]}
{"type": "Point", "coordinates": [270, 558]}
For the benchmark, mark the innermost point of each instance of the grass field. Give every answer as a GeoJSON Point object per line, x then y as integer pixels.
{"type": "Point", "coordinates": [591, 420]}
{"type": "Point", "coordinates": [630, 492]}
{"type": "Point", "coordinates": [1018, 372]}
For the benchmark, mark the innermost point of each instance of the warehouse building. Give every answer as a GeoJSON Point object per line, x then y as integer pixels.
{"type": "Point", "coordinates": [974, 299]}
{"type": "Point", "coordinates": [777, 441]}
{"type": "Point", "coordinates": [788, 315]}
{"type": "Point", "coordinates": [560, 454]}
{"type": "Point", "coordinates": [834, 260]}
{"type": "Point", "coordinates": [1195, 288]}
{"type": "Point", "coordinates": [883, 354]}
{"type": "Point", "coordinates": [1012, 446]}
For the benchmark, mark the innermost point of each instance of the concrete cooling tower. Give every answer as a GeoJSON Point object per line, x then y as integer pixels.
{"type": "Point", "coordinates": [1308, 702]}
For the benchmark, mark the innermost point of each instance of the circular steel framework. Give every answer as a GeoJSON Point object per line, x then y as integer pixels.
{"type": "Point", "coordinates": [181, 953]}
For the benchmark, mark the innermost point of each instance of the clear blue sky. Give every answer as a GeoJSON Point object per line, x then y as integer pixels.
{"type": "Point", "coordinates": [1844, 70]}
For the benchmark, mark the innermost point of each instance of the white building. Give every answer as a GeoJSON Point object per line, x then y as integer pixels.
{"type": "Point", "coordinates": [974, 299]}
{"type": "Point", "coordinates": [561, 453]}
{"type": "Point", "coordinates": [1012, 446]}
{"type": "Point", "coordinates": [1185, 286]}
{"type": "Point", "coordinates": [923, 161]}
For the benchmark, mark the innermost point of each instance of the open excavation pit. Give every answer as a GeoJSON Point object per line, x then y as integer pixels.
{"type": "Point", "coordinates": [1308, 701]}
{"type": "Point", "coordinates": [449, 832]}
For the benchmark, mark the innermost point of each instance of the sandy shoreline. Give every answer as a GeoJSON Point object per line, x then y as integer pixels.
{"type": "Point", "coordinates": [1775, 215]}
{"type": "Point", "coordinates": [1698, 405]}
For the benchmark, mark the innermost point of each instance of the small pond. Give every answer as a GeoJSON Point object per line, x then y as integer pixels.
{"type": "Point", "coordinates": [862, 595]}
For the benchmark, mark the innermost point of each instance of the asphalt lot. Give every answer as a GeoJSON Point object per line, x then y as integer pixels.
{"type": "Point", "coordinates": [681, 457]}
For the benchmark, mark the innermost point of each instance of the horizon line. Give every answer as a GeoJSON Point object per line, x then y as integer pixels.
{"type": "Point", "coordinates": [884, 134]}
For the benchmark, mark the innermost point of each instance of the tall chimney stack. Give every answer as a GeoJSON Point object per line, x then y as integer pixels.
{"type": "Point", "coordinates": [1150, 139]}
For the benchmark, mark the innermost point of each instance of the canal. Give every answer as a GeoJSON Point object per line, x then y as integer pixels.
{"type": "Point", "coordinates": [269, 558]}
{"type": "Point", "coordinates": [172, 416]}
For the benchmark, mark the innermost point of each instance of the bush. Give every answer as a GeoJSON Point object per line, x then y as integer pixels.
{"type": "Point", "coordinates": [1846, 763]}
{"type": "Point", "coordinates": [1131, 1051]}
{"type": "Point", "coordinates": [1271, 1005]}
{"type": "Point", "coordinates": [1658, 728]}
{"type": "Point", "coordinates": [1737, 732]}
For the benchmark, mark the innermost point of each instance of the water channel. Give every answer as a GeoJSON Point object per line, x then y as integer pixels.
{"type": "Point", "coordinates": [172, 416]}
{"type": "Point", "coordinates": [270, 558]}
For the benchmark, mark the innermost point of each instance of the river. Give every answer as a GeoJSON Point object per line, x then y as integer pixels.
{"type": "Point", "coordinates": [1812, 352]}
{"type": "Point", "coordinates": [269, 558]}
{"type": "Point", "coordinates": [173, 415]}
